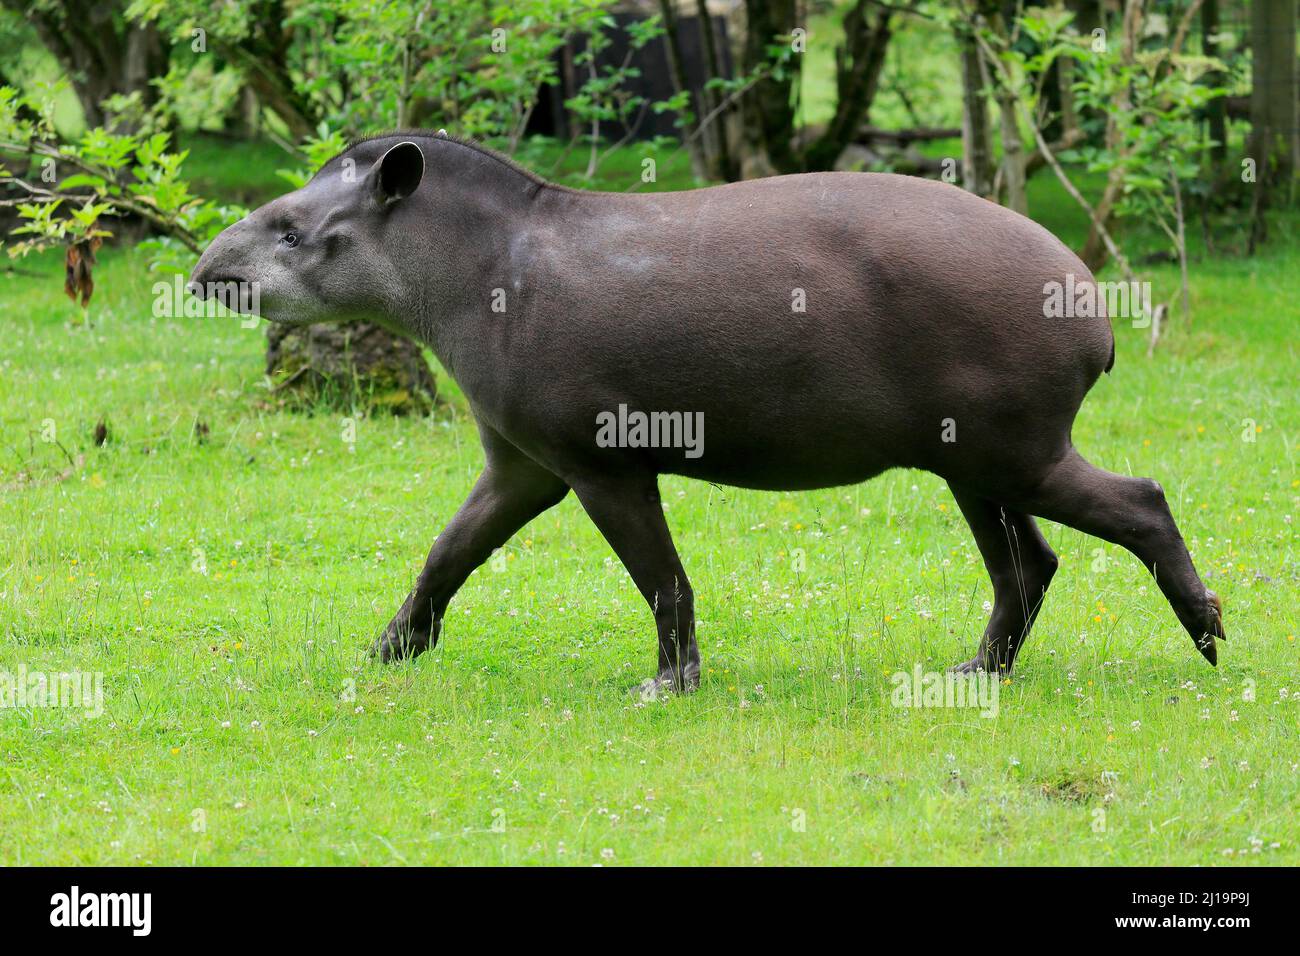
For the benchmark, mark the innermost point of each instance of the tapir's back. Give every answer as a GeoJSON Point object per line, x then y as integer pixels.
{"type": "Point", "coordinates": [870, 250]}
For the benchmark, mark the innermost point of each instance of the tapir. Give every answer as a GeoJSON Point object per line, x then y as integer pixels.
{"type": "Point", "coordinates": [820, 328]}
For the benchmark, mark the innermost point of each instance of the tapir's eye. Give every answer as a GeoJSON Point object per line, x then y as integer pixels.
{"type": "Point", "coordinates": [290, 238]}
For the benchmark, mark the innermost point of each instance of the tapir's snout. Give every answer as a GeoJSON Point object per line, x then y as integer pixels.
{"type": "Point", "coordinates": [223, 275]}
{"type": "Point", "coordinates": [1211, 629]}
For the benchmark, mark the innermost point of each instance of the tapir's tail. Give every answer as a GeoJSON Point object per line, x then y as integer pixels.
{"type": "Point", "coordinates": [1103, 312]}
{"type": "Point", "coordinates": [1103, 320]}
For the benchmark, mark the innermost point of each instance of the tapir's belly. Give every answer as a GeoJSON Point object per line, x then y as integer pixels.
{"type": "Point", "coordinates": [777, 465]}
{"type": "Point", "coordinates": [815, 406]}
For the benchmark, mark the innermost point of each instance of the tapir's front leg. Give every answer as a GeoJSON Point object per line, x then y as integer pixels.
{"type": "Point", "coordinates": [510, 492]}
{"type": "Point", "coordinates": [628, 513]}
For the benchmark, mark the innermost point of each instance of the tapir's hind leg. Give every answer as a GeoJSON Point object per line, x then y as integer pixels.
{"type": "Point", "coordinates": [1131, 512]}
{"type": "Point", "coordinates": [1021, 565]}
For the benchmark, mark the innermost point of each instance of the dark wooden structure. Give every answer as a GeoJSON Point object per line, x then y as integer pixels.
{"type": "Point", "coordinates": [550, 118]}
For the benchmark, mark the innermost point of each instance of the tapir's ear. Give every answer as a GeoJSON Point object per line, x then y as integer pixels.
{"type": "Point", "coordinates": [397, 174]}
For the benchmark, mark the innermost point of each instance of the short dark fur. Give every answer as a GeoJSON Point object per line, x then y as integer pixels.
{"type": "Point", "coordinates": [924, 308]}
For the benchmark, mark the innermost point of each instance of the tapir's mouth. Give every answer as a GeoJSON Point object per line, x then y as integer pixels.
{"type": "Point", "coordinates": [208, 287]}
{"type": "Point", "coordinates": [236, 294]}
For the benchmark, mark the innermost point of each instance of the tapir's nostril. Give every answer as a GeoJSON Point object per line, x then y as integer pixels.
{"type": "Point", "coordinates": [195, 289]}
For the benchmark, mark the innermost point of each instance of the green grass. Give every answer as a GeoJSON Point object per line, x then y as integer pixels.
{"type": "Point", "coordinates": [227, 587]}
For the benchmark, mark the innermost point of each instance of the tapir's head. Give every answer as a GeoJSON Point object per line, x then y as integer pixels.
{"type": "Point", "coordinates": [330, 251]}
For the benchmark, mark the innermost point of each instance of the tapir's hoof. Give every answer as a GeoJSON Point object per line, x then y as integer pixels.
{"type": "Point", "coordinates": [400, 641]}
{"type": "Point", "coordinates": [977, 664]}
{"type": "Point", "coordinates": [1211, 628]}
{"type": "Point", "coordinates": [665, 682]}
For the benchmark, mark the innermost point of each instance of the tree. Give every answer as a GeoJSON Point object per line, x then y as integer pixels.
{"type": "Point", "coordinates": [1274, 143]}
{"type": "Point", "coordinates": [774, 45]}
{"type": "Point", "coordinates": [976, 140]}
{"type": "Point", "coordinates": [103, 53]}
{"type": "Point", "coordinates": [859, 60]}
{"type": "Point", "coordinates": [1216, 109]}
{"type": "Point", "coordinates": [695, 146]}
{"type": "Point", "coordinates": [1094, 252]}
{"type": "Point", "coordinates": [718, 146]}
{"type": "Point", "coordinates": [69, 193]}
{"type": "Point", "coordinates": [767, 108]}
{"type": "Point", "coordinates": [1012, 171]}
{"type": "Point", "coordinates": [254, 36]}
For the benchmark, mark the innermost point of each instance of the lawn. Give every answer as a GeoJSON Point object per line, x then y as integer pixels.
{"type": "Point", "coordinates": [224, 564]}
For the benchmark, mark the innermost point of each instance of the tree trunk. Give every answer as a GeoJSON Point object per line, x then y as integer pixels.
{"type": "Point", "coordinates": [101, 52]}
{"type": "Point", "coordinates": [263, 56]}
{"type": "Point", "coordinates": [1087, 18]}
{"type": "Point", "coordinates": [1013, 153]}
{"type": "Point", "coordinates": [241, 118]}
{"type": "Point", "coordinates": [1069, 114]}
{"type": "Point", "coordinates": [767, 112]}
{"type": "Point", "coordinates": [677, 74]}
{"type": "Point", "coordinates": [1012, 174]}
{"type": "Point", "coordinates": [277, 94]}
{"type": "Point", "coordinates": [859, 61]}
{"type": "Point", "coordinates": [719, 152]}
{"type": "Point", "coordinates": [1094, 253]}
{"type": "Point", "coordinates": [349, 366]}
{"type": "Point", "coordinates": [1274, 139]}
{"type": "Point", "coordinates": [976, 141]}
{"type": "Point", "coordinates": [1216, 110]}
